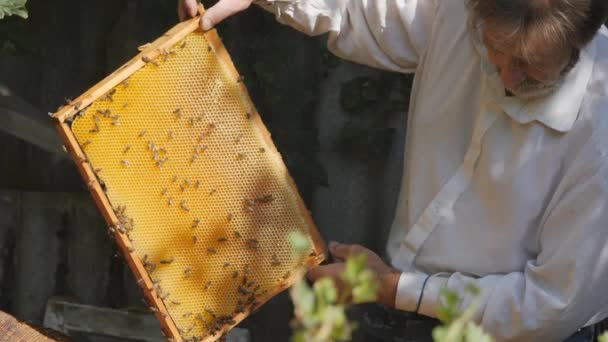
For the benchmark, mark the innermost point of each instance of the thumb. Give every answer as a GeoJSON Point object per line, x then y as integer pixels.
{"type": "Point", "coordinates": [222, 10]}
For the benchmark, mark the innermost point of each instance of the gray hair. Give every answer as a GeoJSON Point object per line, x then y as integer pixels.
{"type": "Point", "coordinates": [557, 24]}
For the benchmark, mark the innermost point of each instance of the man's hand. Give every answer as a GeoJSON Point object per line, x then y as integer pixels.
{"type": "Point", "coordinates": [387, 276]}
{"type": "Point", "coordinates": [214, 15]}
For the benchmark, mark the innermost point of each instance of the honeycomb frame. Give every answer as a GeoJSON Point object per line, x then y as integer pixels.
{"type": "Point", "coordinates": [68, 115]}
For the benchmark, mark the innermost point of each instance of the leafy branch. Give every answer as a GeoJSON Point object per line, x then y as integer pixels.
{"type": "Point", "coordinates": [320, 310]}
{"type": "Point", "coordinates": [13, 7]}
{"type": "Point", "coordinates": [459, 326]}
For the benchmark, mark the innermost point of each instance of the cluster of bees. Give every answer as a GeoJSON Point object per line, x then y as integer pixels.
{"type": "Point", "coordinates": [247, 289]}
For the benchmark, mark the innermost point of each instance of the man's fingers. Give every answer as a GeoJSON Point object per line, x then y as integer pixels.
{"type": "Point", "coordinates": [222, 10]}
{"type": "Point", "coordinates": [187, 9]}
{"type": "Point", "coordinates": [331, 270]}
{"type": "Point", "coordinates": [343, 251]}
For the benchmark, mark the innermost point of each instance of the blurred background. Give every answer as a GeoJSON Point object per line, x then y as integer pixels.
{"type": "Point", "coordinates": [339, 126]}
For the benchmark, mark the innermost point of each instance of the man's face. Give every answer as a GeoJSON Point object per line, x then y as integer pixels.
{"type": "Point", "coordinates": [526, 78]}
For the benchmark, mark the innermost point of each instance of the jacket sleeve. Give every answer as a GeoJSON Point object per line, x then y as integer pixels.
{"type": "Point", "coordinates": [386, 34]}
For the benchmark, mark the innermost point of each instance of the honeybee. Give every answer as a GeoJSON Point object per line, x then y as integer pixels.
{"type": "Point", "coordinates": [125, 82]}
{"type": "Point", "coordinates": [226, 265]}
{"type": "Point", "coordinates": [178, 113]}
{"type": "Point", "coordinates": [207, 285]}
{"type": "Point", "coordinates": [212, 192]}
{"type": "Point", "coordinates": [235, 274]}
{"type": "Point", "coordinates": [196, 222]}
{"type": "Point", "coordinates": [247, 269]}
{"type": "Point", "coordinates": [253, 244]}
{"type": "Point", "coordinates": [265, 199]}
{"type": "Point", "coordinates": [170, 135]}
{"type": "Point", "coordinates": [183, 45]}
{"type": "Point", "coordinates": [239, 308]}
{"type": "Point", "coordinates": [262, 150]}
{"type": "Point", "coordinates": [167, 261]}
{"type": "Point", "coordinates": [184, 206]}
{"type": "Point", "coordinates": [209, 311]}
{"type": "Point", "coordinates": [107, 97]}
{"type": "Point", "coordinates": [127, 148]}
{"type": "Point", "coordinates": [230, 217]}
{"type": "Point", "coordinates": [125, 162]}
{"type": "Point", "coordinates": [164, 192]}
{"type": "Point", "coordinates": [210, 129]}
{"type": "Point", "coordinates": [91, 183]}
{"type": "Point", "coordinates": [125, 105]}
{"type": "Point", "coordinates": [275, 261]}
{"type": "Point", "coordinates": [222, 239]}
{"type": "Point", "coordinates": [244, 290]}
{"type": "Point", "coordinates": [162, 161]}
{"type": "Point", "coordinates": [170, 201]}
{"type": "Point", "coordinates": [211, 250]}
{"type": "Point", "coordinates": [150, 61]}
{"type": "Point", "coordinates": [249, 205]}
{"type": "Point", "coordinates": [95, 129]}
{"type": "Point", "coordinates": [141, 134]}
{"type": "Point", "coordinates": [86, 143]}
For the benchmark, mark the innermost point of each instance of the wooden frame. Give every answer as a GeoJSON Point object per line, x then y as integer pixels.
{"type": "Point", "coordinates": [66, 114]}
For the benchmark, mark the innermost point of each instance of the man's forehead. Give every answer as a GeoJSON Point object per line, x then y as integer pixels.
{"type": "Point", "coordinates": [532, 45]}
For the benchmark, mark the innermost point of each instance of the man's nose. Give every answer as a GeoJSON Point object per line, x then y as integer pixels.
{"type": "Point", "coordinates": [512, 76]}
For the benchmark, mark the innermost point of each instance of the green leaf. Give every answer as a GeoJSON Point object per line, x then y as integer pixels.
{"type": "Point", "coordinates": [341, 328]}
{"type": "Point", "coordinates": [603, 337]}
{"type": "Point", "coordinates": [448, 308]}
{"type": "Point", "coordinates": [304, 297]}
{"type": "Point", "coordinates": [299, 336]}
{"type": "Point", "coordinates": [13, 7]}
{"type": "Point", "coordinates": [299, 241]}
{"type": "Point", "coordinates": [366, 288]}
{"type": "Point", "coordinates": [474, 333]}
{"type": "Point", "coordinates": [473, 289]}
{"type": "Point", "coordinates": [354, 266]}
{"type": "Point", "coordinates": [326, 292]}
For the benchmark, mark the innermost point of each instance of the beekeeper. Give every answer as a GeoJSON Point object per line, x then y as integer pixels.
{"type": "Point", "coordinates": [505, 179]}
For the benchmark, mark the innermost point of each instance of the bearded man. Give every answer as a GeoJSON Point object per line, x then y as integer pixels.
{"type": "Point", "coordinates": [505, 179]}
